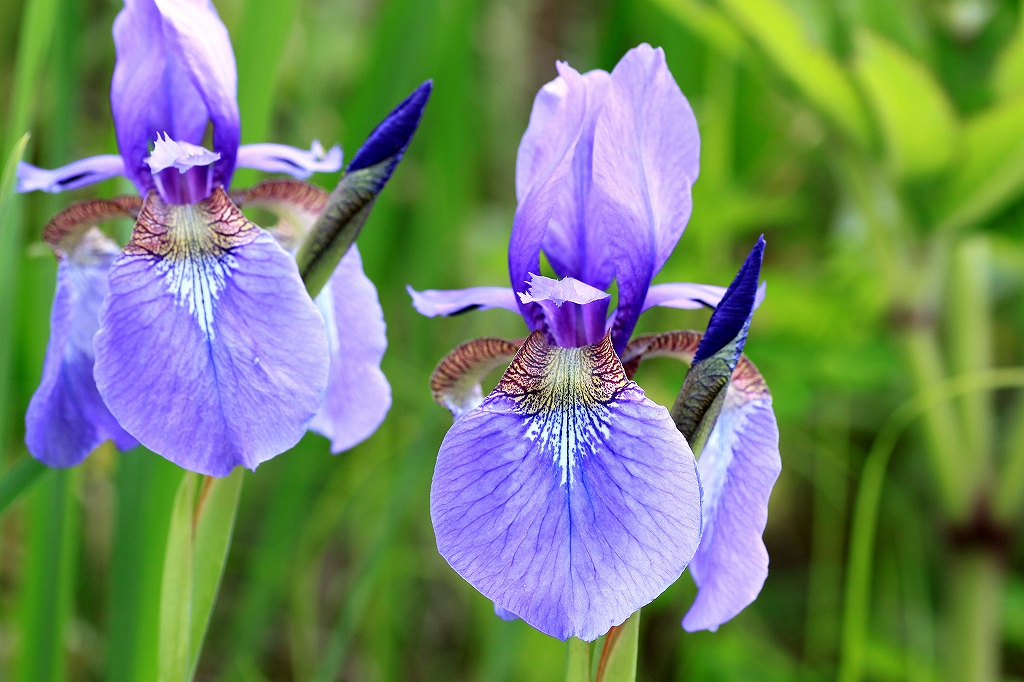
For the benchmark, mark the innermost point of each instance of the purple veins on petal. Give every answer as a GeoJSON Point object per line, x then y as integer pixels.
{"type": "Point", "coordinates": [568, 498]}
{"type": "Point", "coordinates": [209, 351]}
{"type": "Point", "coordinates": [77, 174]}
{"type": "Point", "coordinates": [434, 302]}
{"type": "Point", "coordinates": [298, 163]}
{"type": "Point", "coordinates": [66, 418]}
{"type": "Point", "coordinates": [358, 394]}
{"type": "Point", "coordinates": [738, 468]}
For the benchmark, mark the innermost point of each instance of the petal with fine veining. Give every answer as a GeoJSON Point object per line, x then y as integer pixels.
{"type": "Point", "coordinates": [568, 498]}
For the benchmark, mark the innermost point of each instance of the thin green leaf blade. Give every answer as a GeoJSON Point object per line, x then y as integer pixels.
{"type": "Point", "coordinates": [991, 174]}
{"type": "Point", "coordinates": [176, 587]}
{"type": "Point", "coordinates": [812, 68]}
{"type": "Point", "coordinates": [915, 115]}
{"type": "Point", "coordinates": [214, 525]}
{"type": "Point", "coordinates": [20, 479]}
{"type": "Point", "coordinates": [618, 660]}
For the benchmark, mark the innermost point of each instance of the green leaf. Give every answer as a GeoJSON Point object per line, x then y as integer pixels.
{"type": "Point", "coordinates": [991, 174]}
{"type": "Point", "coordinates": [817, 74]}
{"type": "Point", "coordinates": [215, 521]}
{"type": "Point", "coordinates": [1008, 73]}
{"type": "Point", "coordinates": [618, 660]}
{"type": "Point", "coordinates": [707, 22]}
{"type": "Point", "coordinates": [20, 479]}
{"type": "Point", "coordinates": [915, 115]}
{"type": "Point", "coordinates": [176, 588]}
{"type": "Point", "coordinates": [10, 260]}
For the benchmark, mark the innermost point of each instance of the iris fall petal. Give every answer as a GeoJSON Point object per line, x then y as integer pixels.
{"type": "Point", "coordinates": [568, 498]}
{"type": "Point", "coordinates": [358, 394]}
{"type": "Point", "coordinates": [209, 351]}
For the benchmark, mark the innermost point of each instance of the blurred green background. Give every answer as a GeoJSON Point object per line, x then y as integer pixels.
{"type": "Point", "coordinates": [878, 144]}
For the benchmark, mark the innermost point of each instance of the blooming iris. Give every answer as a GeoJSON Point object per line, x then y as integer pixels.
{"type": "Point", "coordinates": [566, 495]}
{"type": "Point", "coordinates": [198, 338]}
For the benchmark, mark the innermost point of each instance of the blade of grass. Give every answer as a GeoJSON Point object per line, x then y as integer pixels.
{"type": "Point", "coordinates": [176, 586]}
{"type": "Point", "coordinates": [145, 488]}
{"type": "Point", "coordinates": [19, 479]}
{"type": "Point", "coordinates": [49, 578]}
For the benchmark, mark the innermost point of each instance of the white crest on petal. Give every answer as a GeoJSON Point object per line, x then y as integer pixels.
{"type": "Point", "coordinates": [180, 155]}
{"type": "Point", "coordinates": [558, 291]}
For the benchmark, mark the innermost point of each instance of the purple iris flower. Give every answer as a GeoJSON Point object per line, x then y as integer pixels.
{"type": "Point", "coordinates": [199, 339]}
{"type": "Point", "coordinates": [566, 496]}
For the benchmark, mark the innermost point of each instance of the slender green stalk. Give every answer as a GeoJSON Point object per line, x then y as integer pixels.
{"type": "Point", "coordinates": [974, 615]}
{"type": "Point", "coordinates": [577, 660]}
{"type": "Point", "coordinates": [19, 480]}
{"type": "Point", "coordinates": [176, 587]}
{"type": "Point", "coordinates": [49, 578]}
{"type": "Point", "coordinates": [869, 494]}
{"type": "Point", "coordinates": [619, 656]}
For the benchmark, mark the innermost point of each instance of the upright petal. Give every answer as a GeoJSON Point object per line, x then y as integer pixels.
{"type": "Point", "coordinates": [76, 174]}
{"type": "Point", "coordinates": [546, 157]}
{"type": "Point", "coordinates": [175, 72]}
{"type": "Point", "coordinates": [209, 351]}
{"type": "Point", "coordinates": [66, 418]}
{"type": "Point", "coordinates": [568, 498]}
{"type": "Point", "coordinates": [201, 44]}
{"type": "Point", "coordinates": [434, 302]}
{"type": "Point", "coordinates": [738, 467]}
{"type": "Point", "coordinates": [646, 159]}
{"type": "Point", "coordinates": [358, 394]}
{"type": "Point", "coordinates": [298, 163]}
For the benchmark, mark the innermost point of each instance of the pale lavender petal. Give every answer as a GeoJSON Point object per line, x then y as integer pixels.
{"type": "Point", "coordinates": [503, 614]}
{"type": "Point", "coordinates": [738, 468]}
{"type": "Point", "coordinates": [150, 92]}
{"type": "Point", "coordinates": [435, 302]}
{"type": "Point", "coordinates": [298, 163]}
{"type": "Point", "coordinates": [201, 44]}
{"type": "Point", "coordinates": [570, 243]}
{"type": "Point", "coordinates": [209, 351]}
{"type": "Point", "coordinates": [567, 498]}
{"type": "Point", "coordinates": [559, 291]}
{"type": "Point", "coordinates": [66, 418]}
{"type": "Point", "coordinates": [547, 163]}
{"type": "Point", "coordinates": [686, 296]}
{"type": "Point", "coordinates": [646, 154]}
{"type": "Point", "coordinates": [358, 394]}
{"type": "Point", "coordinates": [72, 176]}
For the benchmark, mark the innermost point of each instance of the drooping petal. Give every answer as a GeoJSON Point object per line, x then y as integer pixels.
{"type": "Point", "coordinates": [209, 351]}
{"type": "Point", "coordinates": [646, 159]}
{"type": "Point", "coordinates": [358, 394]}
{"type": "Point", "coordinates": [568, 498]}
{"type": "Point", "coordinates": [738, 468]}
{"type": "Point", "coordinates": [435, 302]}
{"type": "Point", "coordinates": [455, 382]}
{"type": "Point", "coordinates": [298, 163]}
{"type": "Point", "coordinates": [72, 176]}
{"type": "Point", "coordinates": [201, 44]}
{"type": "Point", "coordinates": [66, 418]}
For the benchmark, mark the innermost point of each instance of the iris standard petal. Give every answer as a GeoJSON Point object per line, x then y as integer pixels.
{"type": "Point", "coordinates": [646, 159]}
{"type": "Point", "coordinates": [547, 175]}
{"type": "Point", "coordinates": [281, 158]}
{"type": "Point", "coordinates": [200, 43]}
{"type": "Point", "coordinates": [435, 302]}
{"type": "Point", "coordinates": [567, 498]}
{"type": "Point", "coordinates": [209, 351]}
{"type": "Point", "coordinates": [66, 418]}
{"type": "Point", "coordinates": [151, 91]}
{"type": "Point", "coordinates": [358, 394]}
{"type": "Point", "coordinates": [72, 176]}
{"type": "Point", "coordinates": [738, 468]}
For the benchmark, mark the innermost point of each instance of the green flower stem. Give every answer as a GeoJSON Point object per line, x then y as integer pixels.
{"type": "Point", "coordinates": [619, 656]}
{"type": "Point", "coordinates": [974, 615]}
{"type": "Point", "coordinates": [577, 661]}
